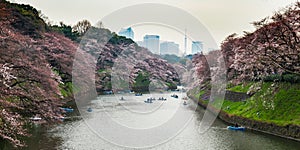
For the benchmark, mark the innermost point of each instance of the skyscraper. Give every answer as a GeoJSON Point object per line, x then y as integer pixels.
{"type": "Point", "coordinates": [169, 48]}
{"type": "Point", "coordinates": [151, 42]}
{"type": "Point", "coordinates": [197, 47]}
{"type": "Point", "coordinates": [128, 33]}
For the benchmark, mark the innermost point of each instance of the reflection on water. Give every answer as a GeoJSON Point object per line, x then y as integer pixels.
{"type": "Point", "coordinates": [41, 139]}
{"type": "Point", "coordinates": [76, 135]}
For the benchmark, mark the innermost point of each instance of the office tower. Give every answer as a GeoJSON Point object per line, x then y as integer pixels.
{"type": "Point", "coordinates": [151, 42]}
{"type": "Point", "coordinates": [197, 47]}
{"type": "Point", "coordinates": [128, 33]}
{"type": "Point", "coordinates": [169, 48]}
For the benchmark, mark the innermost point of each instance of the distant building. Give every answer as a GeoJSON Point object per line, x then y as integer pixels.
{"type": "Point", "coordinates": [128, 33]}
{"type": "Point", "coordinates": [140, 43]}
{"type": "Point", "coordinates": [197, 47]}
{"type": "Point", "coordinates": [169, 48]}
{"type": "Point", "coordinates": [151, 42]}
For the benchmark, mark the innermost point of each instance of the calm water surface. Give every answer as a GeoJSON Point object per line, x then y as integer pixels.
{"type": "Point", "coordinates": [77, 135]}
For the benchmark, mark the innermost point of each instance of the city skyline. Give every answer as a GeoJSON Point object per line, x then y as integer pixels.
{"type": "Point", "coordinates": [222, 18]}
{"type": "Point", "coordinates": [181, 50]}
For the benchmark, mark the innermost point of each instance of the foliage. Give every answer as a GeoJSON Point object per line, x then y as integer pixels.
{"type": "Point", "coordinates": [142, 82]}
{"type": "Point", "coordinates": [243, 88]}
{"type": "Point", "coordinates": [202, 67]}
{"type": "Point", "coordinates": [123, 53]}
{"type": "Point", "coordinates": [82, 27]}
{"type": "Point", "coordinates": [66, 30]}
{"type": "Point", "coordinates": [101, 70]}
{"type": "Point", "coordinates": [275, 104]}
{"type": "Point", "coordinates": [171, 58]}
{"type": "Point", "coordinates": [115, 39]}
{"type": "Point", "coordinates": [292, 78]}
{"type": "Point", "coordinates": [183, 61]}
{"type": "Point", "coordinates": [199, 94]}
{"type": "Point", "coordinates": [27, 19]}
{"type": "Point", "coordinates": [264, 64]}
{"type": "Point", "coordinates": [272, 78]}
{"type": "Point", "coordinates": [29, 84]}
{"type": "Point", "coordinates": [36, 66]}
{"type": "Point", "coordinates": [272, 49]}
{"type": "Point", "coordinates": [171, 85]}
{"type": "Point", "coordinates": [66, 89]}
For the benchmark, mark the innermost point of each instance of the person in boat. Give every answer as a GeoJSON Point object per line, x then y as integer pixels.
{"type": "Point", "coordinates": [236, 125]}
{"type": "Point", "coordinates": [89, 109]}
{"type": "Point", "coordinates": [184, 103]}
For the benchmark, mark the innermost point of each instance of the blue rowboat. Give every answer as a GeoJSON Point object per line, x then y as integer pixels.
{"type": "Point", "coordinates": [89, 109]}
{"type": "Point", "coordinates": [236, 128]}
{"type": "Point", "coordinates": [68, 109]}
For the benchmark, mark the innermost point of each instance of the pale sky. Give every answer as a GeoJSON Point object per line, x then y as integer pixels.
{"type": "Point", "coordinates": [220, 17]}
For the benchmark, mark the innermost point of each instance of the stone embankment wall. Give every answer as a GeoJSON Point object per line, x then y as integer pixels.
{"type": "Point", "coordinates": [236, 96]}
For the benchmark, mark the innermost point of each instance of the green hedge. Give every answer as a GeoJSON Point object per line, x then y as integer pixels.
{"type": "Point", "coordinates": [291, 78]}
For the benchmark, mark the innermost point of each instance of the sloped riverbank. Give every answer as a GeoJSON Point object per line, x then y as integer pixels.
{"type": "Point", "coordinates": [243, 112]}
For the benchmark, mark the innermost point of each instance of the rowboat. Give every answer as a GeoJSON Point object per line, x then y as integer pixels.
{"type": "Point", "coordinates": [236, 128]}
{"type": "Point", "coordinates": [35, 118]}
{"type": "Point", "coordinates": [174, 95]}
{"type": "Point", "coordinates": [68, 109]}
{"type": "Point", "coordinates": [148, 101]}
{"type": "Point", "coordinates": [162, 99]}
{"type": "Point", "coordinates": [138, 94]}
{"type": "Point", "coordinates": [89, 109]}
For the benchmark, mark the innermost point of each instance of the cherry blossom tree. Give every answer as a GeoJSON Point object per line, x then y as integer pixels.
{"type": "Point", "coordinates": [273, 48]}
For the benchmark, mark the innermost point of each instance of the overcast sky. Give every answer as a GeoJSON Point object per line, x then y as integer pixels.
{"type": "Point", "coordinates": [220, 17]}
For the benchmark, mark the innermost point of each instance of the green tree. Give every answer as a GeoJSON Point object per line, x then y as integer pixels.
{"type": "Point", "coordinates": [65, 30]}
{"type": "Point", "coordinates": [142, 82]}
{"type": "Point", "coordinates": [82, 27]}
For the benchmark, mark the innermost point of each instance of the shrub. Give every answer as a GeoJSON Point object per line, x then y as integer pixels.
{"type": "Point", "coordinates": [272, 78]}
{"type": "Point", "coordinates": [291, 78]}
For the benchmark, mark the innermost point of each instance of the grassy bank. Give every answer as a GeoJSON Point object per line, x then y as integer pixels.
{"type": "Point", "coordinates": [277, 103]}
